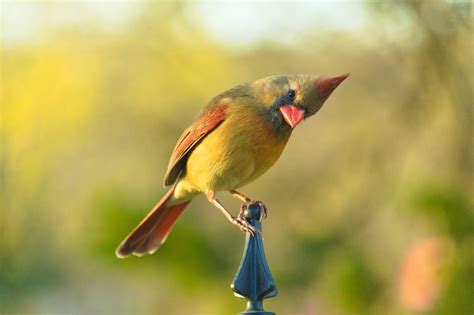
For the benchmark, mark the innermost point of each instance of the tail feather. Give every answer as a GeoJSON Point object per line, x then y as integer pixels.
{"type": "Point", "coordinates": [153, 230]}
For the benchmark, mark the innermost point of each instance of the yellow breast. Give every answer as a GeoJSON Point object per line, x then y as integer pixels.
{"type": "Point", "coordinates": [234, 154]}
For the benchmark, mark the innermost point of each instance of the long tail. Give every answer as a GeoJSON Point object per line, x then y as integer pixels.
{"type": "Point", "coordinates": [153, 230]}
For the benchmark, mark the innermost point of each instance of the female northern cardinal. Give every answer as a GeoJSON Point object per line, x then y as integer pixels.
{"type": "Point", "coordinates": [236, 138]}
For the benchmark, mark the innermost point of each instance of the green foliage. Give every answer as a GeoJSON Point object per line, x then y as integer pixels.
{"type": "Point", "coordinates": [446, 206]}
{"type": "Point", "coordinates": [352, 285]}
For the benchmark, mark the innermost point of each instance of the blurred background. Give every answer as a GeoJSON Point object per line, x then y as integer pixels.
{"type": "Point", "coordinates": [370, 206]}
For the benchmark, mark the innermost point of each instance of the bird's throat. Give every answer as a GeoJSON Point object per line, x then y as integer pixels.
{"type": "Point", "coordinates": [277, 123]}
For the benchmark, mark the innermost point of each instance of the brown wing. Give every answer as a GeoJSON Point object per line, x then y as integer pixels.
{"type": "Point", "coordinates": [208, 120]}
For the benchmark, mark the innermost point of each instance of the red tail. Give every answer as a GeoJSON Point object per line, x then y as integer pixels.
{"type": "Point", "coordinates": [153, 230]}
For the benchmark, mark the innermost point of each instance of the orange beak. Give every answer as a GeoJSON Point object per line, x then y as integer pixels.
{"type": "Point", "coordinates": [292, 114]}
{"type": "Point", "coordinates": [328, 84]}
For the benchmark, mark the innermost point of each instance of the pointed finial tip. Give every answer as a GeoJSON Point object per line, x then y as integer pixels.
{"type": "Point", "coordinates": [252, 212]}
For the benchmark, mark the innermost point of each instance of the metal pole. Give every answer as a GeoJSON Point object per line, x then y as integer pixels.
{"type": "Point", "coordinates": [253, 280]}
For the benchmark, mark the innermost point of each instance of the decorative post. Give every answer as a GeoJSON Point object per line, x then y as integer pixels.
{"type": "Point", "coordinates": [253, 280]}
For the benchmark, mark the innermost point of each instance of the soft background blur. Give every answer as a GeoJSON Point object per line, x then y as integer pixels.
{"type": "Point", "coordinates": [370, 206]}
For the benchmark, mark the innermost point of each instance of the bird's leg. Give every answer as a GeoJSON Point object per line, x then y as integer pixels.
{"type": "Point", "coordinates": [240, 221]}
{"type": "Point", "coordinates": [247, 202]}
{"type": "Point", "coordinates": [240, 196]}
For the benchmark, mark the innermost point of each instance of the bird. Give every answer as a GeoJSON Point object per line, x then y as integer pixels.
{"type": "Point", "coordinates": [235, 138]}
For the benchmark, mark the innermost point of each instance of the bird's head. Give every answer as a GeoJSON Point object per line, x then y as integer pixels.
{"type": "Point", "coordinates": [293, 98]}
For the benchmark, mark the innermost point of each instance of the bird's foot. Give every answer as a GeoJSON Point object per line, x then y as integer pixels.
{"type": "Point", "coordinates": [243, 224]}
{"type": "Point", "coordinates": [260, 204]}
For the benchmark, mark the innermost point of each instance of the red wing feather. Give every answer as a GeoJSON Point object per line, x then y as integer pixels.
{"type": "Point", "coordinates": [208, 120]}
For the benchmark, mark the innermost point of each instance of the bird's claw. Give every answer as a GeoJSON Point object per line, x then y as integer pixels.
{"type": "Point", "coordinates": [244, 225]}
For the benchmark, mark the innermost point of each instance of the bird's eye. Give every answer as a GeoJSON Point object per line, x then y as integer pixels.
{"type": "Point", "coordinates": [291, 94]}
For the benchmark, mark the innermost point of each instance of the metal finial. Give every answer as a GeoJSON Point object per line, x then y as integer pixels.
{"type": "Point", "coordinates": [253, 280]}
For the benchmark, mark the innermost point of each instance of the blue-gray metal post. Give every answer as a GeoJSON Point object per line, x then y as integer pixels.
{"type": "Point", "coordinates": [253, 280]}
